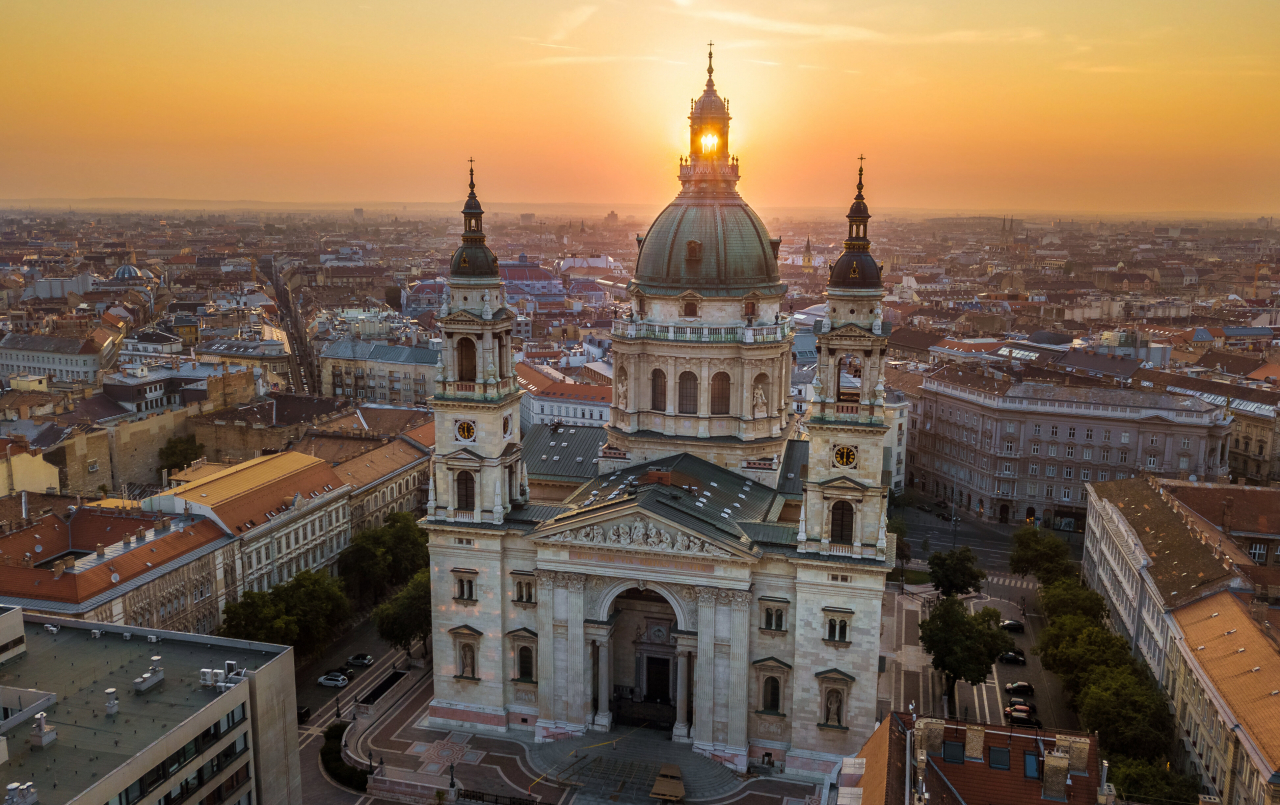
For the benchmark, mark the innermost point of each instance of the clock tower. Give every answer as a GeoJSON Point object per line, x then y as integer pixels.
{"type": "Point", "coordinates": [846, 491]}
{"type": "Point", "coordinates": [477, 474]}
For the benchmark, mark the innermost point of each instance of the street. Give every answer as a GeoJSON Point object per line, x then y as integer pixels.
{"type": "Point", "coordinates": [362, 639]}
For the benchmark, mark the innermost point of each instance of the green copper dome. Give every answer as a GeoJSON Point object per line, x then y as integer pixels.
{"type": "Point", "coordinates": [708, 239]}
{"type": "Point", "coordinates": [707, 244]}
{"type": "Point", "coordinates": [473, 258]}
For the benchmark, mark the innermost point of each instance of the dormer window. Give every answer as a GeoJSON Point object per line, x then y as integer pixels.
{"type": "Point", "coordinates": [690, 310]}
{"type": "Point", "coordinates": [749, 309]}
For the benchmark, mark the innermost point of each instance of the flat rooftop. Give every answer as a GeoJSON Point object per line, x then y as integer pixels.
{"type": "Point", "coordinates": [79, 669]}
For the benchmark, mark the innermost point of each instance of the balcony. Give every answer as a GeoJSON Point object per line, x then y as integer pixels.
{"type": "Point", "coordinates": [672, 332]}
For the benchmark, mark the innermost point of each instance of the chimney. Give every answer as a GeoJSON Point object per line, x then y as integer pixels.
{"type": "Point", "coordinates": [929, 734]}
{"type": "Point", "coordinates": [100, 549]}
{"type": "Point", "coordinates": [1227, 503]}
{"type": "Point", "coordinates": [24, 505]}
{"type": "Point", "coordinates": [974, 736]}
{"type": "Point", "coordinates": [1056, 765]}
{"type": "Point", "coordinates": [57, 570]}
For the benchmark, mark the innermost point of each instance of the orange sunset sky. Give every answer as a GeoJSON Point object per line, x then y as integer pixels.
{"type": "Point", "coordinates": [1000, 106]}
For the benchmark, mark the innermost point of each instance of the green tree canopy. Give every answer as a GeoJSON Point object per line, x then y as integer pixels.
{"type": "Point", "coordinates": [317, 602]}
{"type": "Point", "coordinates": [1142, 781]}
{"type": "Point", "coordinates": [381, 558]}
{"type": "Point", "coordinates": [963, 646]}
{"type": "Point", "coordinates": [956, 572]}
{"type": "Point", "coordinates": [259, 616]}
{"type": "Point", "coordinates": [407, 616]}
{"type": "Point", "coordinates": [1040, 552]}
{"type": "Point", "coordinates": [1076, 657]}
{"type": "Point", "coordinates": [178, 452]}
{"type": "Point", "coordinates": [1070, 597]}
{"type": "Point", "coordinates": [898, 527]}
{"type": "Point", "coordinates": [1127, 711]}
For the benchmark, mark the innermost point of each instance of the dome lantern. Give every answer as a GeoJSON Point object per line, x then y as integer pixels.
{"type": "Point", "coordinates": [473, 258]}
{"type": "Point", "coordinates": [856, 268]}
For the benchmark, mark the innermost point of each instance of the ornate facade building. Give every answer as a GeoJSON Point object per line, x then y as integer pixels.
{"type": "Point", "coordinates": [722, 575]}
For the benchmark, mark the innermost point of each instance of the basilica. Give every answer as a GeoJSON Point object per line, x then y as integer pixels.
{"type": "Point", "coordinates": [721, 576]}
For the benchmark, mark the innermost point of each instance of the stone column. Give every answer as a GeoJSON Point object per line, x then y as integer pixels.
{"type": "Point", "coordinates": [604, 690]}
{"type": "Point", "coordinates": [704, 694]}
{"type": "Point", "coordinates": [704, 398]}
{"type": "Point", "coordinates": [739, 646]}
{"type": "Point", "coordinates": [546, 652]}
{"type": "Point", "coordinates": [681, 731]}
{"type": "Point", "coordinates": [575, 651]}
{"type": "Point", "coordinates": [669, 424]}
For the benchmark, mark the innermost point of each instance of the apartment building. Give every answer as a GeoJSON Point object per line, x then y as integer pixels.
{"type": "Point", "coordinates": [1222, 677]}
{"type": "Point", "coordinates": [289, 512]}
{"type": "Point", "coordinates": [222, 729]}
{"type": "Point", "coordinates": [1145, 558]}
{"type": "Point", "coordinates": [1013, 452]}
{"type": "Point", "coordinates": [379, 373]}
{"type": "Point", "coordinates": [548, 399]}
{"type": "Point", "coordinates": [51, 356]}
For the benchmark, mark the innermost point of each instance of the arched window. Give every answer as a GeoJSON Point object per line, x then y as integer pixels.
{"type": "Point", "coordinates": [831, 629]}
{"type": "Point", "coordinates": [466, 497]}
{"type": "Point", "coordinates": [688, 393]}
{"type": "Point", "coordinates": [844, 631]}
{"type": "Point", "coordinates": [749, 309]}
{"type": "Point", "coordinates": [768, 619]}
{"type": "Point", "coordinates": [720, 393]}
{"type": "Point", "coordinates": [842, 522]}
{"type": "Point", "coordinates": [658, 391]}
{"type": "Point", "coordinates": [690, 310]}
{"type": "Point", "coordinates": [466, 360]}
{"type": "Point", "coordinates": [772, 695]}
{"type": "Point", "coordinates": [525, 661]}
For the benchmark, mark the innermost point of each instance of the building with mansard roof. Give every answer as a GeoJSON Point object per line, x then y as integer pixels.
{"type": "Point", "coordinates": [717, 569]}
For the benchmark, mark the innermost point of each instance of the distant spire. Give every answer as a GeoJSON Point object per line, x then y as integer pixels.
{"type": "Point", "coordinates": [710, 69]}
{"type": "Point", "coordinates": [859, 196]}
{"type": "Point", "coordinates": [472, 185]}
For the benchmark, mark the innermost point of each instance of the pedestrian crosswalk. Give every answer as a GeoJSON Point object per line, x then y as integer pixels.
{"type": "Point", "coordinates": [1017, 582]}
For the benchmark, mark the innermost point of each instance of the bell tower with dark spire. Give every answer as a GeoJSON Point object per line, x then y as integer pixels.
{"type": "Point", "coordinates": [477, 472]}
{"type": "Point", "coordinates": [846, 491]}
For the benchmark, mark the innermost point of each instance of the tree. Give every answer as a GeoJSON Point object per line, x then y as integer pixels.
{"type": "Point", "coordinates": [178, 452]}
{"type": "Point", "coordinates": [1138, 780]}
{"type": "Point", "coordinates": [898, 527]}
{"type": "Point", "coordinates": [1070, 597]}
{"type": "Point", "coordinates": [1075, 657]}
{"type": "Point", "coordinates": [365, 567]}
{"type": "Point", "coordinates": [1127, 711]}
{"type": "Point", "coordinates": [963, 646]}
{"type": "Point", "coordinates": [407, 616]}
{"type": "Point", "coordinates": [956, 572]}
{"type": "Point", "coordinates": [259, 616]}
{"type": "Point", "coordinates": [406, 545]}
{"type": "Point", "coordinates": [1040, 552]}
{"type": "Point", "coordinates": [317, 602]}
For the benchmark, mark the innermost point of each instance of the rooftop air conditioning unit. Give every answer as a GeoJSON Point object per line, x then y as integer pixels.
{"type": "Point", "coordinates": [153, 638]}
{"type": "Point", "coordinates": [206, 677]}
{"type": "Point", "coordinates": [231, 667]}
{"type": "Point", "coordinates": [219, 676]}
{"type": "Point", "coordinates": [127, 635]}
{"type": "Point", "coordinates": [95, 633]}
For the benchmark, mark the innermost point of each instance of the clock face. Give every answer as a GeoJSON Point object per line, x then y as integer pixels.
{"type": "Point", "coordinates": [466, 430]}
{"type": "Point", "coordinates": [506, 426]}
{"type": "Point", "coordinates": [846, 456]}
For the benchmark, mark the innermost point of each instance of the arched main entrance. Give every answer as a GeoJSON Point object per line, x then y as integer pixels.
{"type": "Point", "coordinates": [644, 661]}
{"type": "Point", "coordinates": [1004, 512]}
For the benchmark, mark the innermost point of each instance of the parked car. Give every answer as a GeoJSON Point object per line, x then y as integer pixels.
{"type": "Point", "coordinates": [1008, 711]}
{"type": "Point", "coordinates": [333, 680]}
{"type": "Point", "coordinates": [360, 659]}
{"type": "Point", "coordinates": [349, 673]}
{"type": "Point", "coordinates": [304, 715]}
{"type": "Point", "coordinates": [1012, 657]}
{"type": "Point", "coordinates": [1012, 626]}
{"type": "Point", "coordinates": [1016, 702]}
{"type": "Point", "coordinates": [922, 507]}
{"type": "Point", "coordinates": [1024, 720]}
{"type": "Point", "coordinates": [1025, 688]}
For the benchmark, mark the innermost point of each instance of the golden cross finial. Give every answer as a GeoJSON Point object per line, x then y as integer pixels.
{"type": "Point", "coordinates": [472, 160]}
{"type": "Point", "coordinates": [710, 45]}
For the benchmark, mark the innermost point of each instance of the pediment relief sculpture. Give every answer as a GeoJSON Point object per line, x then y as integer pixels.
{"type": "Point", "coordinates": [640, 534]}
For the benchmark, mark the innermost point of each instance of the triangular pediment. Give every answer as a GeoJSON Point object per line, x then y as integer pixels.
{"type": "Point", "coordinates": [630, 530]}
{"type": "Point", "coordinates": [843, 482]}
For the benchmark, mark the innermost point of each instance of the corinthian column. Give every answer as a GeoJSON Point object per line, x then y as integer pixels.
{"type": "Point", "coordinates": [681, 730]}
{"type": "Point", "coordinates": [739, 638]}
{"type": "Point", "coordinates": [546, 651]}
{"type": "Point", "coordinates": [575, 651]}
{"type": "Point", "coordinates": [705, 690]}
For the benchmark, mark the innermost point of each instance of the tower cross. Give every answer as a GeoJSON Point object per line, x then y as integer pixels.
{"type": "Point", "coordinates": [472, 160]}
{"type": "Point", "coordinates": [860, 158]}
{"type": "Point", "coordinates": [710, 45]}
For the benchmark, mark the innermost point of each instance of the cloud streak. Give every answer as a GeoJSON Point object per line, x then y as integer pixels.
{"type": "Point", "coordinates": [837, 32]}
{"type": "Point", "coordinates": [570, 21]}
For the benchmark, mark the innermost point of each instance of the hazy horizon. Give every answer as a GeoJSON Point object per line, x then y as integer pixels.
{"type": "Point", "coordinates": [1132, 109]}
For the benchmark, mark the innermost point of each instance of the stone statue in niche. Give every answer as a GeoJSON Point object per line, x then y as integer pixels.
{"type": "Point", "coordinates": [759, 402]}
{"type": "Point", "coordinates": [622, 393]}
{"type": "Point", "coordinates": [467, 664]}
{"type": "Point", "coordinates": [835, 700]}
